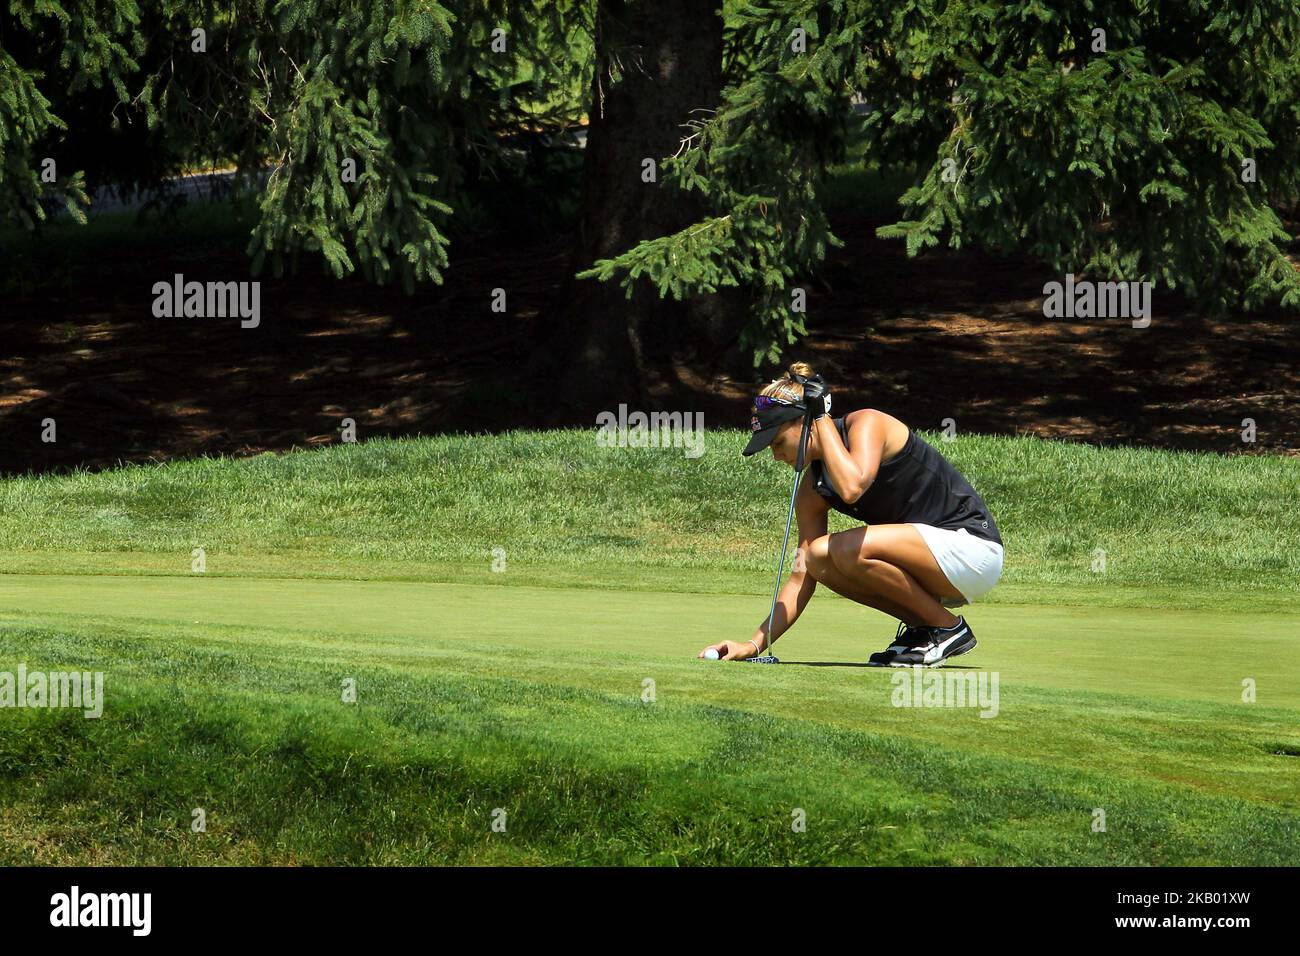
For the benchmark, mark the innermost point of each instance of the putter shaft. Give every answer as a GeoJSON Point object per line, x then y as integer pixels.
{"type": "Point", "coordinates": [789, 517]}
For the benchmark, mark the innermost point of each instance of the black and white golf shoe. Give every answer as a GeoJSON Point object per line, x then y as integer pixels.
{"type": "Point", "coordinates": [907, 638]}
{"type": "Point", "coordinates": [936, 645]}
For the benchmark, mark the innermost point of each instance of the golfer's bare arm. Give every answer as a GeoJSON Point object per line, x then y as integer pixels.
{"type": "Point", "coordinates": [852, 472]}
{"type": "Point", "coordinates": [811, 510]}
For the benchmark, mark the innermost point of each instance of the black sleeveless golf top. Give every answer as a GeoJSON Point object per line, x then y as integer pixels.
{"type": "Point", "coordinates": [918, 484]}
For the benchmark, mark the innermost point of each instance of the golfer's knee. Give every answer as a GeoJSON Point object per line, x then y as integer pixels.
{"type": "Point", "coordinates": [817, 557]}
{"type": "Point", "coordinates": [844, 554]}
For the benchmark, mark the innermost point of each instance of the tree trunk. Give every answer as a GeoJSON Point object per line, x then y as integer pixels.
{"type": "Point", "coordinates": [656, 61]}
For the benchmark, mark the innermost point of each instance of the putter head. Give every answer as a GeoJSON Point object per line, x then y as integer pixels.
{"type": "Point", "coordinates": [769, 659]}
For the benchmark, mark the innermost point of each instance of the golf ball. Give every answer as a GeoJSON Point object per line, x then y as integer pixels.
{"type": "Point", "coordinates": [711, 654]}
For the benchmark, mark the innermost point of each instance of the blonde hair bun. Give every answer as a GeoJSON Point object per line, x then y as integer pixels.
{"type": "Point", "coordinates": [786, 388]}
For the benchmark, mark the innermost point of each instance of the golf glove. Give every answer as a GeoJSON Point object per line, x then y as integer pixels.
{"type": "Point", "coordinates": [817, 397]}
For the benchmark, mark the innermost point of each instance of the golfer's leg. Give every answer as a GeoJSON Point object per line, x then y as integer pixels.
{"type": "Point", "coordinates": [888, 567]}
{"type": "Point", "coordinates": [899, 562]}
{"type": "Point", "coordinates": [825, 571]}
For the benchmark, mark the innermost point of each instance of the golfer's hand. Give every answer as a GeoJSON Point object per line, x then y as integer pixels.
{"type": "Point", "coordinates": [817, 397]}
{"type": "Point", "coordinates": [731, 650]}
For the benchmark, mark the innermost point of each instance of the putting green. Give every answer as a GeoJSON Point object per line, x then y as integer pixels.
{"type": "Point", "coordinates": [1186, 655]}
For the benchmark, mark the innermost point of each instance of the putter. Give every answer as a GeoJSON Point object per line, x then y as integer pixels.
{"type": "Point", "coordinates": [768, 658]}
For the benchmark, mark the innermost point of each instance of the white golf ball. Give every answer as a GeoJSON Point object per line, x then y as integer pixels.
{"type": "Point", "coordinates": [711, 654]}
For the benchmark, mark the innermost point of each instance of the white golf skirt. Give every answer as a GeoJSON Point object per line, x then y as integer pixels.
{"type": "Point", "coordinates": [972, 565]}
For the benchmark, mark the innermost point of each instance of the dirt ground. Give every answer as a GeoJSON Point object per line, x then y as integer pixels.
{"type": "Point", "coordinates": [945, 335]}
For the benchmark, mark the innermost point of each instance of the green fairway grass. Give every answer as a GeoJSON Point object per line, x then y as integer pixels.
{"type": "Point", "coordinates": [560, 695]}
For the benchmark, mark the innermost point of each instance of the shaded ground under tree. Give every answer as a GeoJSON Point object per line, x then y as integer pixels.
{"type": "Point", "coordinates": [945, 335]}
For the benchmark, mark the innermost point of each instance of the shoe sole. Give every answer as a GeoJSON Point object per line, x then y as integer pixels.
{"type": "Point", "coordinates": [963, 648]}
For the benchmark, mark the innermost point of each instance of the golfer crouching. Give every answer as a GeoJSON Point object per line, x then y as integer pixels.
{"type": "Point", "coordinates": [928, 541]}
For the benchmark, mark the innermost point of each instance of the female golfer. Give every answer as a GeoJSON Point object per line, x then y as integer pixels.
{"type": "Point", "coordinates": [927, 543]}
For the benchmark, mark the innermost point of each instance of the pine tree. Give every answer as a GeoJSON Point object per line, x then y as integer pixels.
{"type": "Point", "coordinates": [658, 64]}
{"type": "Point", "coordinates": [1110, 139]}
{"type": "Point", "coordinates": [1123, 160]}
{"type": "Point", "coordinates": [418, 94]}
{"type": "Point", "coordinates": [1121, 154]}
